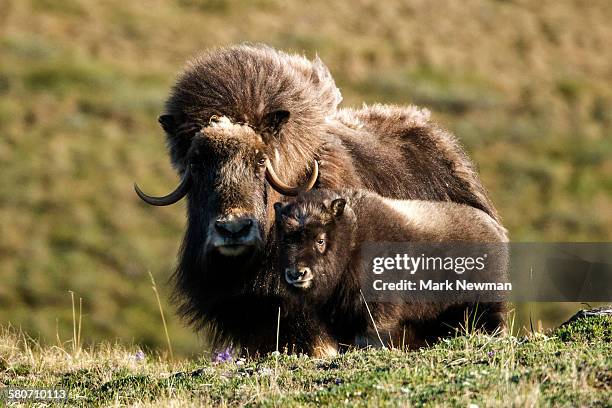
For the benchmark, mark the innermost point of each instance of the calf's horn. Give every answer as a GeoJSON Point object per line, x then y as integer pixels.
{"type": "Point", "coordinates": [178, 193]}
{"type": "Point", "coordinates": [285, 189]}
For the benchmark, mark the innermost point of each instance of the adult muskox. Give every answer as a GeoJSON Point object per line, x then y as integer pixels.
{"type": "Point", "coordinates": [235, 115]}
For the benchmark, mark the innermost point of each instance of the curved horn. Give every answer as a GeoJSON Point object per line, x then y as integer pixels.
{"type": "Point", "coordinates": [285, 189]}
{"type": "Point", "coordinates": [173, 197]}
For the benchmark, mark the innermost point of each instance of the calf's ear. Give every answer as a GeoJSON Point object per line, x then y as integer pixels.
{"type": "Point", "coordinates": [275, 120]}
{"type": "Point", "coordinates": [277, 209]}
{"type": "Point", "coordinates": [337, 207]}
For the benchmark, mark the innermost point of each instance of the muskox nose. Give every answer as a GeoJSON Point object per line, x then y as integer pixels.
{"type": "Point", "coordinates": [298, 274]}
{"type": "Point", "coordinates": [235, 227]}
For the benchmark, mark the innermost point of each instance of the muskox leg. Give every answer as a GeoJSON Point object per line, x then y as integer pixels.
{"type": "Point", "coordinates": [456, 320]}
{"type": "Point", "coordinates": [494, 317]}
{"type": "Point", "coordinates": [324, 346]}
{"type": "Point", "coordinates": [467, 318]}
{"type": "Point", "coordinates": [301, 331]}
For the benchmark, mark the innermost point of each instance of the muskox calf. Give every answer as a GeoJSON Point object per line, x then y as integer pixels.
{"type": "Point", "coordinates": [320, 236]}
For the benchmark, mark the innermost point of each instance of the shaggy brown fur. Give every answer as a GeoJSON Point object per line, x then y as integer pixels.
{"type": "Point", "coordinates": [393, 150]}
{"type": "Point", "coordinates": [246, 83]}
{"type": "Point", "coordinates": [320, 241]}
{"type": "Point", "coordinates": [286, 108]}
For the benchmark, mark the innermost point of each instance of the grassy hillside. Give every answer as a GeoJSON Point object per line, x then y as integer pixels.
{"type": "Point", "coordinates": [526, 86]}
{"type": "Point", "coordinates": [569, 367]}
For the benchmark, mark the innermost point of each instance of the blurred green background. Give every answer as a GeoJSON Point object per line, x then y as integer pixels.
{"type": "Point", "coordinates": [527, 87]}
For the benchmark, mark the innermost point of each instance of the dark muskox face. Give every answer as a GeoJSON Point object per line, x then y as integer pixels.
{"type": "Point", "coordinates": [311, 239]}
{"type": "Point", "coordinates": [228, 197]}
{"type": "Point", "coordinates": [225, 171]}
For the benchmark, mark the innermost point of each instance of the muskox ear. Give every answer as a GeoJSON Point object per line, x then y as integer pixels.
{"type": "Point", "coordinates": [277, 208]}
{"type": "Point", "coordinates": [168, 122]}
{"type": "Point", "coordinates": [337, 207]}
{"type": "Point", "coordinates": [277, 214]}
{"type": "Point", "coordinates": [275, 120]}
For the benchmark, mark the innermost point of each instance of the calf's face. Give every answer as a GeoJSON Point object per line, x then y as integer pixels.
{"type": "Point", "coordinates": [310, 239]}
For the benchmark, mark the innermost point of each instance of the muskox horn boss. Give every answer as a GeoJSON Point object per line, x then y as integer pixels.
{"type": "Point", "coordinates": [179, 192]}
{"type": "Point", "coordinates": [285, 189]}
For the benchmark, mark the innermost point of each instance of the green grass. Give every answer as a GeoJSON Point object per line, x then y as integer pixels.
{"type": "Point", "coordinates": [526, 86]}
{"type": "Point", "coordinates": [567, 367]}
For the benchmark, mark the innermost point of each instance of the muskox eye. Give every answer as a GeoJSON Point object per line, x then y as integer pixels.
{"type": "Point", "coordinates": [320, 245]}
{"type": "Point", "coordinates": [262, 161]}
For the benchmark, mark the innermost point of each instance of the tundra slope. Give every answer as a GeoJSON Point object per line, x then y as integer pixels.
{"type": "Point", "coordinates": [320, 241]}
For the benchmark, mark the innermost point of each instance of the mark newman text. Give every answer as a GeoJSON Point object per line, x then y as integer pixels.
{"type": "Point", "coordinates": [430, 285]}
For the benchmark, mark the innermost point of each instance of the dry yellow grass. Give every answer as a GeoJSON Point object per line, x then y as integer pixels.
{"type": "Point", "coordinates": [568, 367]}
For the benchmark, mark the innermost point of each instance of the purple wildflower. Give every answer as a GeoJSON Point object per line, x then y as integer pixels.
{"type": "Point", "coordinates": [491, 354]}
{"type": "Point", "coordinates": [224, 356]}
{"type": "Point", "coordinates": [139, 356]}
